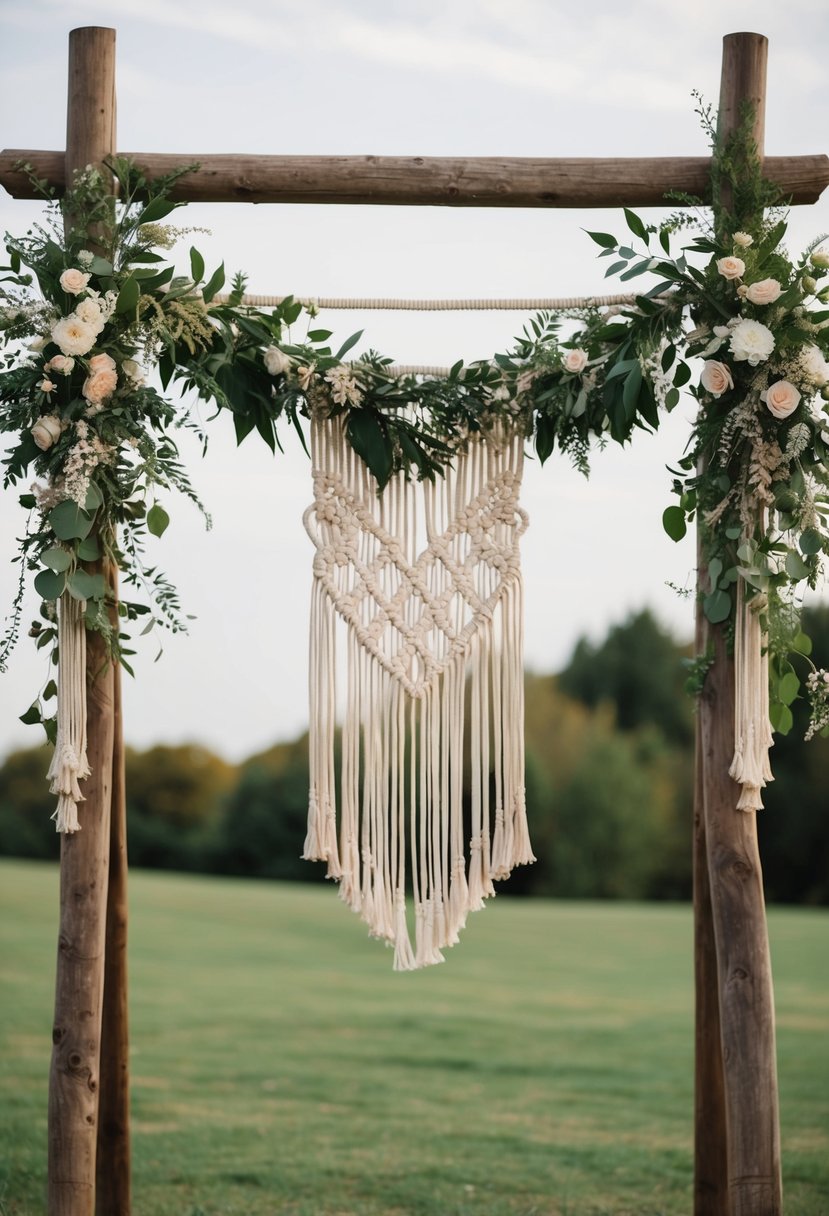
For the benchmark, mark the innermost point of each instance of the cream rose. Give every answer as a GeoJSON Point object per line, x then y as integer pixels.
{"type": "Point", "coordinates": [99, 386]}
{"type": "Point", "coordinates": [751, 342]}
{"type": "Point", "coordinates": [782, 398]}
{"type": "Point", "coordinates": [820, 258]}
{"type": "Point", "coordinates": [716, 378]}
{"type": "Point", "coordinates": [766, 291]}
{"type": "Point", "coordinates": [575, 360]}
{"type": "Point", "coordinates": [731, 268]}
{"type": "Point", "coordinates": [60, 363]}
{"type": "Point", "coordinates": [89, 311]}
{"type": "Point", "coordinates": [276, 361]}
{"type": "Point", "coordinates": [74, 281]}
{"type": "Point", "coordinates": [742, 240]}
{"type": "Point", "coordinates": [46, 431]}
{"type": "Point", "coordinates": [73, 336]}
{"type": "Point", "coordinates": [133, 371]}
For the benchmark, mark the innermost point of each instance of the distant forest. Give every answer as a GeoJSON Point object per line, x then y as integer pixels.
{"type": "Point", "coordinates": [609, 788]}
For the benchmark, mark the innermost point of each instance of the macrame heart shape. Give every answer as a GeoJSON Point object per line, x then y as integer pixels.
{"type": "Point", "coordinates": [415, 614]}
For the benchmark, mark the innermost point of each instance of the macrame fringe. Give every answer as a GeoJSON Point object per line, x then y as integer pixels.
{"type": "Point", "coordinates": [752, 729]}
{"type": "Point", "coordinates": [426, 579]}
{"type": "Point", "coordinates": [69, 763]}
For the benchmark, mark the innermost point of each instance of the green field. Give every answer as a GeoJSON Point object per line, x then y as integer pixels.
{"type": "Point", "coordinates": [279, 1066]}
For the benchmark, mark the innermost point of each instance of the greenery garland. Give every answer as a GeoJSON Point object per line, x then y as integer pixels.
{"type": "Point", "coordinates": [100, 440]}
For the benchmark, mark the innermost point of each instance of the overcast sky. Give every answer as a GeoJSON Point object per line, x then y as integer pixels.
{"type": "Point", "coordinates": [435, 77]}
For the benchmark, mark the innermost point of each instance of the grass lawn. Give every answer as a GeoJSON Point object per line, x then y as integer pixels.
{"type": "Point", "coordinates": [279, 1066]}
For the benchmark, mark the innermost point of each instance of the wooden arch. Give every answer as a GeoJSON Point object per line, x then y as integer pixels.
{"type": "Point", "coordinates": [737, 1141]}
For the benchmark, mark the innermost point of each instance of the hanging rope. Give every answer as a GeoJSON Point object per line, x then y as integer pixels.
{"type": "Point", "coordinates": [395, 305]}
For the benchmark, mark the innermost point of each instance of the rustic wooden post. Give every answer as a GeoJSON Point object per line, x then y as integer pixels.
{"type": "Point", "coordinates": [114, 1172]}
{"type": "Point", "coordinates": [73, 1080]}
{"type": "Point", "coordinates": [746, 1001]}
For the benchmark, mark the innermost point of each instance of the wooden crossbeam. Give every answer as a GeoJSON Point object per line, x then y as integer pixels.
{"type": "Point", "coordinates": [481, 181]}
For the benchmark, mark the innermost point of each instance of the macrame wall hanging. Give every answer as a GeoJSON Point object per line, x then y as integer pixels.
{"type": "Point", "coordinates": [417, 608]}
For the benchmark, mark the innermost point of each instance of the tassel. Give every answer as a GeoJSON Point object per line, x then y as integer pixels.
{"type": "Point", "coordinates": [750, 766]}
{"type": "Point", "coordinates": [69, 762]}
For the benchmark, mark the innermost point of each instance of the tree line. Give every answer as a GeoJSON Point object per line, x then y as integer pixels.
{"type": "Point", "coordinates": [609, 788]}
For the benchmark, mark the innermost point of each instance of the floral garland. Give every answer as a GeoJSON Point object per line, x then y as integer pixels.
{"type": "Point", "coordinates": [98, 437]}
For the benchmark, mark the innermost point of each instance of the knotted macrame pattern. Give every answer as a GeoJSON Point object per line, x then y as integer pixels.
{"type": "Point", "coordinates": [417, 612]}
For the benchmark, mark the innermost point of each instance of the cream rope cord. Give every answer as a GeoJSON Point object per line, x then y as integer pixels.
{"type": "Point", "coordinates": [396, 305]}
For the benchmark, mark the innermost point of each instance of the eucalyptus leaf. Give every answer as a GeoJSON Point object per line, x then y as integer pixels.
{"type": "Point", "coordinates": [69, 522]}
{"type": "Point", "coordinates": [788, 688]}
{"type": "Point", "coordinates": [781, 718]}
{"type": "Point", "coordinates": [802, 643]}
{"type": "Point", "coordinates": [94, 498]}
{"type": "Point", "coordinates": [50, 584]}
{"type": "Point", "coordinates": [84, 586]}
{"type": "Point", "coordinates": [811, 542]}
{"type": "Point", "coordinates": [57, 559]}
{"type": "Point", "coordinates": [796, 568]}
{"type": "Point", "coordinates": [673, 521]}
{"type": "Point", "coordinates": [89, 550]}
{"type": "Point", "coordinates": [157, 520]}
{"type": "Point", "coordinates": [717, 606]}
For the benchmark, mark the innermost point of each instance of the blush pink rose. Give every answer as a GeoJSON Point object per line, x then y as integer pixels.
{"type": "Point", "coordinates": [575, 360]}
{"type": "Point", "coordinates": [782, 398]}
{"type": "Point", "coordinates": [60, 363]}
{"type": "Point", "coordinates": [100, 385]}
{"type": "Point", "coordinates": [731, 268]}
{"type": "Point", "coordinates": [74, 281]}
{"type": "Point", "coordinates": [716, 378]}
{"type": "Point", "coordinates": [766, 291]}
{"type": "Point", "coordinates": [102, 363]}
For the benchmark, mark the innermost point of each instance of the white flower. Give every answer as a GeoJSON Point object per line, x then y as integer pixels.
{"type": "Point", "coordinates": [38, 344]}
{"type": "Point", "coordinates": [85, 257]}
{"type": "Point", "coordinates": [46, 431]}
{"type": "Point", "coordinates": [751, 342]}
{"type": "Point", "coordinates": [74, 281]}
{"type": "Point", "coordinates": [276, 361]}
{"type": "Point", "coordinates": [60, 363]}
{"type": "Point", "coordinates": [742, 240]}
{"type": "Point", "coordinates": [814, 366]}
{"type": "Point", "coordinates": [344, 388]}
{"type": "Point", "coordinates": [575, 360]}
{"type": "Point", "coordinates": [731, 268]}
{"type": "Point", "coordinates": [716, 378]}
{"type": "Point", "coordinates": [304, 377]}
{"type": "Point", "coordinates": [73, 336]}
{"type": "Point", "coordinates": [722, 331]}
{"type": "Point", "coordinates": [89, 311]}
{"type": "Point", "coordinates": [133, 371]}
{"type": "Point", "coordinates": [820, 258]}
{"type": "Point", "coordinates": [782, 398]}
{"type": "Point", "coordinates": [766, 291]}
